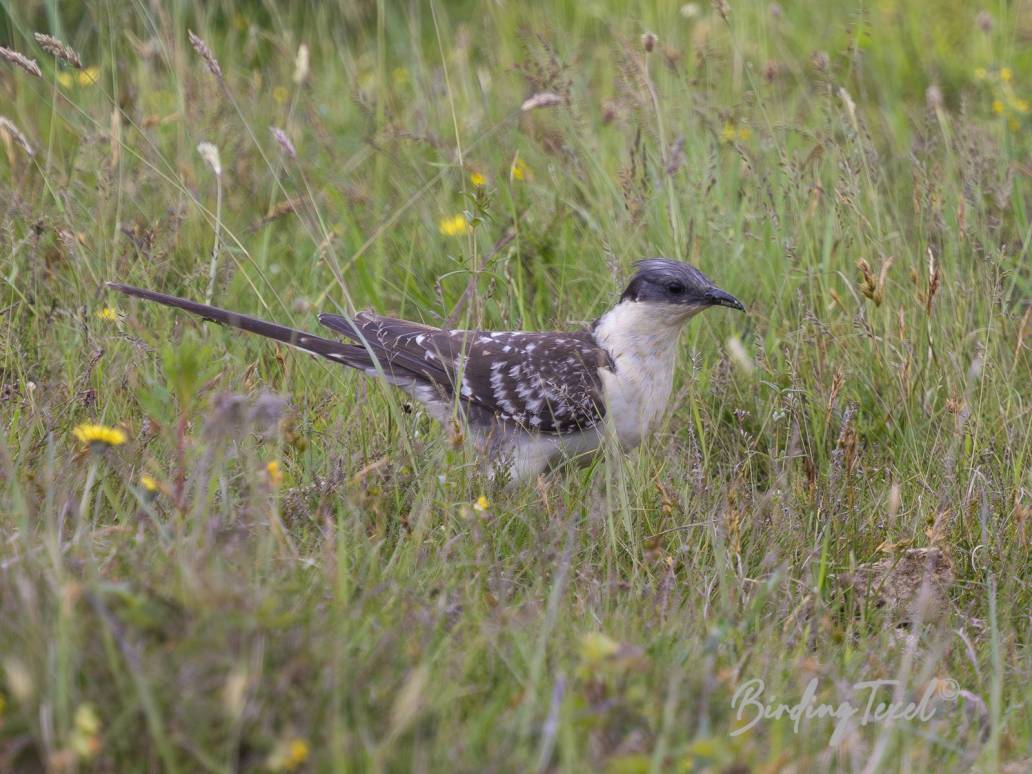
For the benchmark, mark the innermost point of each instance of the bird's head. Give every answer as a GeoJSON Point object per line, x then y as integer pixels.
{"type": "Point", "coordinates": [677, 287]}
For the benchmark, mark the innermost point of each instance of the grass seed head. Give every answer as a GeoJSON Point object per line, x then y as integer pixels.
{"type": "Point", "coordinates": [542, 99]}
{"type": "Point", "coordinates": [210, 154]}
{"type": "Point", "coordinates": [301, 65]}
{"type": "Point", "coordinates": [849, 104]}
{"type": "Point", "coordinates": [22, 61]}
{"type": "Point", "coordinates": [872, 288]}
{"type": "Point", "coordinates": [206, 54]}
{"type": "Point", "coordinates": [7, 126]}
{"type": "Point", "coordinates": [68, 242]}
{"type": "Point", "coordinates": [62, 51]}
{"type": "Point", "coordinates": [934, 280]}
{"type": "Point", "coordinates": [284, 142]}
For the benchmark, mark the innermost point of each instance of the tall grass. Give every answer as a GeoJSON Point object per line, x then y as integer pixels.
{"type": "Point", "coordinates": [289, 566]}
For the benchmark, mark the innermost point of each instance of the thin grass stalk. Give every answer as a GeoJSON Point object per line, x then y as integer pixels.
{"type": "Point", "coordinates": [86, 499]}
{"type": "Point", "coordinates": [664, 149]}
{"type": "Point", "coordinates": [213, 266]}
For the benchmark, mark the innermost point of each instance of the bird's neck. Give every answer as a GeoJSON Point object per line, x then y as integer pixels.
{"type": "Point", "coordinates": [640, 333]}
{"type": "Point", "coordinates": [641, 339]}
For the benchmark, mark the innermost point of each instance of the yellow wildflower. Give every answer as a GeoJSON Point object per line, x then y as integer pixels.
{"type": "Point", "coordinates": [99, 435]}
{"type": "Point", "coordinates": [456, 225]}
{"type": "Point", "coordinates": [298, 752]}
{"type": "Point", "coordinates": [108, 313]}
{"type": "Point", "coordinates": [728, 133]}
{"type": "Point", "coordinates": [1014, 124]}
{"type": "Point", "coordinates": [481, 504]}
{"type": "Point", "coordinates": [149, 483]}
{"type": "Point", "coordinates": [519, 170]}
{"type": "Point", "coordinates": [1021, 105]}
{"type": "Point", "coordinates": [477, 178]}
{"type": "Point", "coordinates": [288, 754]}
{"type": "Point", "coordinates": [1006, 74]}
{"type": "Point", "coordinates": [280, 94]}
{"type": "Point", "coordinates": [86, 732]}
{"type": "Point", "coordinates": [600, 653]}
{"type": "Point", "coordinates": [981, 74]}
{"type": "Point", "coordinates": [596, 647]}
{"type": "Point", "coordinates": [86, 719]}
{"type": "Point", "coordinates": [997, 106]}
{"type": "Point", "coordinates": [744, 133]}
{"type": "Point", "coordinates": [65, 79]}
{"type": "Point", "coordinates": [87, 76]}
{"type": "Point", "coordinates": [275, 474]}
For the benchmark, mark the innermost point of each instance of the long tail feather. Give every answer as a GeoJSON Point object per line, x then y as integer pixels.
{"type": "Point", "coordinates": [349, 354]}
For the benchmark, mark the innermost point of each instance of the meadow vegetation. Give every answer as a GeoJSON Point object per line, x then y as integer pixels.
{"type": "Point", "coordinates": [218, 554]}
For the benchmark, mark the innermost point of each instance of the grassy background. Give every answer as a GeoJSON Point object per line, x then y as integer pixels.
{"type": "Point", "coordinates": [362, 613]}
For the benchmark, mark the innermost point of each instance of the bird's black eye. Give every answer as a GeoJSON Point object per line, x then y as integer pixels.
{"type": "Point", "coordinates": [675, 288]}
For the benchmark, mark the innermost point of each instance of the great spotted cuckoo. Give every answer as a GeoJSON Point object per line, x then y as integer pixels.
{"type": "Point", "coordinates": [528, 400]}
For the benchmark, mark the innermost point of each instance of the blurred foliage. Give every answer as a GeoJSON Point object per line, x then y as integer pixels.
{"type": "Point", "coordinates": [315, 575]}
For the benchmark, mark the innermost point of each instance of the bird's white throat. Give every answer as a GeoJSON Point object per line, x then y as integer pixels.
{"type": "Point", "coordinates": [641, 337]}
{"type": "Point", "coordinates": [637, 330]}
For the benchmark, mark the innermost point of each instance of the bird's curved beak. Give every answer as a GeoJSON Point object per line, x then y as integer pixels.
{"type": "Point", "coordinates": [717, 297]}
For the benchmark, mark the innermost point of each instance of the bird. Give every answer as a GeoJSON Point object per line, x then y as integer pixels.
{"type": "Point", "coordinates": [529, 400]}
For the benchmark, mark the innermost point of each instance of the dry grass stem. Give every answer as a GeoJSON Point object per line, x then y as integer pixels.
{"type": "Point", "coordinates": [210, 154]}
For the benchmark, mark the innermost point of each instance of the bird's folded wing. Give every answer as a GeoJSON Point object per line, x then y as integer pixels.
{"type": "Point", "coordinates": [547, 382]}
